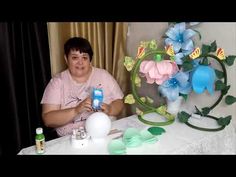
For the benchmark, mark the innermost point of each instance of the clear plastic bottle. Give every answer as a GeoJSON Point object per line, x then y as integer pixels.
{"type": "Point", "coordinates": [40, 141]}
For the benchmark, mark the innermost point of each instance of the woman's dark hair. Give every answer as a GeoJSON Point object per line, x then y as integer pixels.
{"type": "Point", "coordinates": [79, 44]}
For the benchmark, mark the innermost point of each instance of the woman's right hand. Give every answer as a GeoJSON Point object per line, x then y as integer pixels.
{"type": "Point", "coordinates": [85, 105]}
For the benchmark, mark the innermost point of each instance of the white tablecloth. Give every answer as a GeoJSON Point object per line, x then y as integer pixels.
{"type": "Point", "coordinates": [178, 139]}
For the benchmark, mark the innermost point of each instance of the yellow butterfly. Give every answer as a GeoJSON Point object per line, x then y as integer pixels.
{"type": "Point", "coordinates": [196, 53]}
{"type": "Point", "coordinates": [220, 53]}
{"type": "Point", "coordinates": [170, 50]}
{"type": "Point", "coordinates": [141, 52]}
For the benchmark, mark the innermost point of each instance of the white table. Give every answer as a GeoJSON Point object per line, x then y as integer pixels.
{"type": "Point", "coordinates": [178, 139]}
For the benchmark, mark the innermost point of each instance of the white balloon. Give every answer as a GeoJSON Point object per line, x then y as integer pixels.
{"type": "Point", "coordinates": [98, 125]}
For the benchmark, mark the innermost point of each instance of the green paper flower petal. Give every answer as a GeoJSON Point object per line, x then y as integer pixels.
{"type": "Point", "coordinates": [137, 81]}
{"type": "Point", "coordinates": [153, 45]}
{"type": "Point", "coordinates": [139, 112]}
{"type": "Point", "coordinates": [149, 100]}
{"type": "Point", "coordinates": [129, 63]}
{"type": "Point", "coordinates": [144, 44]}
{"type": "Point", "coordinates": [148, 137]}
{"type": "Point", "coordinates": [116, 147]}
{"type": "Point", "coordinates": [162, 110]}
{"type": "Point", "coordinates": [129, 99]}
{"type": "Point", "coordinates": [143, 99]}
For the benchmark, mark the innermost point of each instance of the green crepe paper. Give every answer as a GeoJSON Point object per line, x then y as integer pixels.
{"type": "Point", "coordinates": [148, 137]}
{"type": "Point", "coordinates": [156, 130]}
{"type": "Point", "coordinates": [132, 138]}
{"type": "Point", "coordinates": [130, 133]}
{"type": "Point", "coordinates": [134, 142]}
{"type": "Point", "coordinates": [116, 147]}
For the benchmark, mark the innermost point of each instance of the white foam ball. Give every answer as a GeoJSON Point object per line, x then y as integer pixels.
{"type": "Point", "coordinates": [98, 125]}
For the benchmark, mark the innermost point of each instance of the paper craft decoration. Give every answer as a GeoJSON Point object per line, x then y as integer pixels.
{"type": "Point", "coordinates": [131, 138]}
{"type": "Point", "coordinates": [179, 69]}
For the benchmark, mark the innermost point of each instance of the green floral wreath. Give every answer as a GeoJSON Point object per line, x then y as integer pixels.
{"type": "Point", "coordinates": [161, 110]}
{"type": "Point", "coordinates": [135, 82]}
{"type": "Point", "coordinates": [219, 85]}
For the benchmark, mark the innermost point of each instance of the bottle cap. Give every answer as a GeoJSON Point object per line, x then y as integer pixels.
{"type": "Point", "coordinates": [39, 130]}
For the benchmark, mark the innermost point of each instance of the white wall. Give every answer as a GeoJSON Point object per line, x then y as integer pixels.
{"type": "Point", "coordinates": [225, 36]}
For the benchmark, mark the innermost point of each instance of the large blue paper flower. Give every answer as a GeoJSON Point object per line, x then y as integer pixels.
{"type": "Point", "coordinates": [180, 38]}
{"type": "Point", "coordinates": [177, 84]}
{"type": "Point", "coordinates": [203, 77]}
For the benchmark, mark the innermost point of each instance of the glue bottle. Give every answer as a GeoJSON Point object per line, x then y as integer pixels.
{"type": "Point", "coordinates": [40, 141]}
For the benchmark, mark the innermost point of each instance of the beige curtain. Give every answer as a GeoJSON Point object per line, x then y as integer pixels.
{"type": "Point", "coordinates": [108, 40]}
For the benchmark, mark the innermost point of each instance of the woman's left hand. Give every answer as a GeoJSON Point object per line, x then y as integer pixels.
{"type": "Point", "coordinates": [106, 108]}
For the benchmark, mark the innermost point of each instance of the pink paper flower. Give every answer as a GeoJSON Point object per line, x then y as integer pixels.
{"type": "Point", "coordinates": [158, 71]}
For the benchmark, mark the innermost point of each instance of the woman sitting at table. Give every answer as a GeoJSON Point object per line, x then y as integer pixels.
{"type": "Point", "coordinates": [66, 101]}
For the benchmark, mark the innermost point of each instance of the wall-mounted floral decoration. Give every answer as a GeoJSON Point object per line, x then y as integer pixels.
{"type": "Point", "coordinates": [179, 69]}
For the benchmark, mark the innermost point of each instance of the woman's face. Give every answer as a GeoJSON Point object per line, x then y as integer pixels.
{"type": "Point", "coordinates": [78, 63]}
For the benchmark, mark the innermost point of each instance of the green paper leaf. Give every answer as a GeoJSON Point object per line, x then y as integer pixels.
{"type": "Point", "coordinates": [225, 90]}
{"type": "Point", "coordinates": [230, 60]}
{"type": "Point", "coordinates": [219, 74]}
{"type": "Point", "coordinates": [224, 121]}
{"type": "Point", "coordinates": [164, 36]}
{"type": "Point", "coordinates": [153, 44]}
{"type": "Point", "coordinates": [185, 96]}
{"type": "Point", "coordinates": [229, 99]}
{"type": "Point", "coordinates": [205, 61]}
{"type": "Point", "coordinates": [213, 46]}
{"type": "Point", "coordinates": [156, 130]}
{"type": "Point", "coordinates": [187, 65]}
{"type": "Point", "coordinates": [172, 58]}
{"type": "Point", "coordinates": [205, 49]}
{"type": "Point", "coordinates": [183, 116]}
{"type": "Point", "coordinates": [185, 58]}
{"type": "Point", "coordinates": [205, 110]}
{"type": "Point", "coordinates": [198, 111]}
{"type": "Point", "coordinates": [219, 85]}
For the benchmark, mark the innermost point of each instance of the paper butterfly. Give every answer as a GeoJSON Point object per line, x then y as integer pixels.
{"type": "Point", "coordinates": [220, 53]}
{"type": "Point", "coordinates": [196, 53]}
